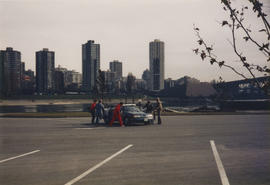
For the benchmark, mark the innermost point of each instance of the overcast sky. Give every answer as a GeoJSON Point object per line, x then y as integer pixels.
{"type": "Point", "coordinates": [123, 28]}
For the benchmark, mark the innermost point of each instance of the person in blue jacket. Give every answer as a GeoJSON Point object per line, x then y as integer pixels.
{"type": "Point", "coordinates": [99, 111]}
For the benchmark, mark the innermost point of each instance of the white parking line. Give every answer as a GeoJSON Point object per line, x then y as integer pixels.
{"type": "Point", "coordinates": [221, 170]}
{"type": "Point", "coordinates": [89, 128]}
{"type": "Point", "coordinates": [11, 158]}
{"type": "Point", "coordinates": [97, 166]}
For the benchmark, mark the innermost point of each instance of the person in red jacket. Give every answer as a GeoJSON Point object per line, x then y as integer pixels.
{"type": "Point", "coordinates": [93, 111]}
{"type": "Point", "coordinates": [117, 115]}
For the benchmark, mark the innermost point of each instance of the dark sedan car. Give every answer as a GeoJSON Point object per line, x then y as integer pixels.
{"type": "Point", "coordinates": [130, 114]}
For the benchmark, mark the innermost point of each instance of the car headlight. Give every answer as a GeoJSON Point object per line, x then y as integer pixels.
{"type": "Point", "coordinates": [136, 116]}
{"type": "Point", "coordinates": [149, 116]}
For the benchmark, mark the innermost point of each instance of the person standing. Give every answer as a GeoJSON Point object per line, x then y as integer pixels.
{"type": "Point", "coordinates": [99, 111]}
{"type": "Point", "coordinates": [117, 115]}
{"type": "Point", "coordinates": [139, 104]}
{"type": "Point", "coordinates": [148, 107]}
{"type": "Point", "coordinates": [92, 111]}
{"type": "Point", "coordinates": [158, 110]}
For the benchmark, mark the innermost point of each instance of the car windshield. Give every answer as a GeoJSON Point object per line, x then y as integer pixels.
{"type": "Point", "coordinates": [131, 109]}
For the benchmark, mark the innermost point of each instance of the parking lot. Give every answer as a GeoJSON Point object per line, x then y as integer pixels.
{"type": "Point", "coordinates": [184, 150]}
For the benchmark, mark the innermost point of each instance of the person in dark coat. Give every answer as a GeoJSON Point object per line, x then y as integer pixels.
{"type": "Point", "coordinates": [139, 104]}
{"type": "Point", "coordinates": [148, 107]}
{"type": "Point", "coordinates": [158, 109]}
{"type": "Point", "coordinates": [99, 111]}
{"type": "Point", "coordinates": [92, 111]}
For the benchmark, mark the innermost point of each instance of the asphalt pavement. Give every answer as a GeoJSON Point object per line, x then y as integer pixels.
{"type": "Point", "coordinates": [184, 150]}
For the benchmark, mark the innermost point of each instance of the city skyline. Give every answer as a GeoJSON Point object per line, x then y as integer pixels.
{"type": "Point", "coordinates": [121, 31]}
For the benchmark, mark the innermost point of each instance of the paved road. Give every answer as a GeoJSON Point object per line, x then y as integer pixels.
{"type": "Point", "coordinates": [175, 153]}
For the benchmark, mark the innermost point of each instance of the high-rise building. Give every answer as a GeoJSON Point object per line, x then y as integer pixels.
{"type": "Point", "coordinates": [169, 83]}
{"type": "Point", "coordinates": [146, 76]}
{"type": "Point", "coordinates": [72, 79]}
{"type": "Point", "coordinates": [110, 78]}
{"type": "Point", "coordinates": [76, 78]}
{"type": "Point", "coordinates": [116, 66]}
{"type": "Point", "coordinates": [1, 75]}
{"type": "Point", "coordinates": [28, 82]}
{"type": "Point", "coordinates": [59, 82]}
{"type": "Point", "coordinates": [140, 84]}
{"type": "Point", "coordinates": [22, 69]}
{"type": "Point", "coordinates": [67, 75]}
{"type": "Point", "coordinates": [156, 65]}
{"type": "Point", "coordinates": [30, 74]}
{"type": "Point", "coordinates": [70, 76]}
{"type": "Point", "coordinates": [10, 71]}
{"type": "Point", "coordinates": [90, 64]}
{"type": "Point", "coordinates": [45, 71]}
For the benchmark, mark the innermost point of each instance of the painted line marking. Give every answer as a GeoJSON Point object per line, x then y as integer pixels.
{"type": "Point", "coordinates": [11, 158]}
{"type": "Point", "coordinates": [221, 170]}
{"type": "Point", "coordinates": [97, 166]}
{"type": "Point", "coordinates": [89, 128]}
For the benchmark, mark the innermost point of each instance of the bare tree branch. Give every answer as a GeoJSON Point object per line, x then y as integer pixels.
{"type": "Point", "coordinates": [237, 18]}
{"type": "Point", "coordinates": [243, 59]}
{"type": "Point", "coordinates": [234, 16]}
{"type": "Point", "coordinates": [213, 58]}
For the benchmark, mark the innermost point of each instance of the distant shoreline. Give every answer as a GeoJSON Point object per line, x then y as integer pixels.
{"type": "Point", "coordinates": [56, 102]}
{"type": "Point", "coordinates": [41, 102]}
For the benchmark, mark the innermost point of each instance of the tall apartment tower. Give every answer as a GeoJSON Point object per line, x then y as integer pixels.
{"type": "Point", "coordinates": [90, 64]}
{"type": "Point", "coordinates": [156, 65]}
{"type": "Point", "coordinates": [45, 67]}
{"type": "Point", "coordinates": [2, 81]}
{"type": "Point", "coordinates": [116, 66]}
{"type": "Point", "coordinates": [10, 71]}
{"type": "Point", "coordinates": [1, 76]}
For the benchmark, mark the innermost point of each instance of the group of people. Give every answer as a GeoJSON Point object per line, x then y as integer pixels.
{"type": "Point", "coordinates": [97, 111]}
{"type": "Point", "coordinates": [154, 109]}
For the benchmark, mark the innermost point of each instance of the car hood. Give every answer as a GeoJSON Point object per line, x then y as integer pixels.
{"type": "Point", "coordinates": [137, 113]}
